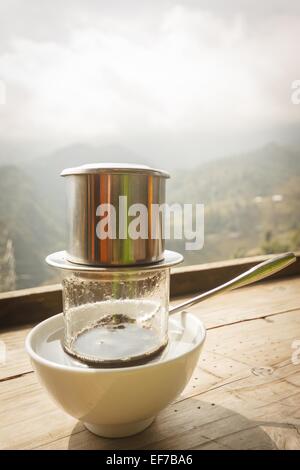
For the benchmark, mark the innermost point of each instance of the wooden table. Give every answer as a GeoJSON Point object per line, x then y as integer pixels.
{"type": "Point", "coordinates": [245, 392]}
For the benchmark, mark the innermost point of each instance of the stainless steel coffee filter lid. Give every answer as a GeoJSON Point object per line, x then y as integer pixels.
{"type": "Point", "coordinates": [114, 168]}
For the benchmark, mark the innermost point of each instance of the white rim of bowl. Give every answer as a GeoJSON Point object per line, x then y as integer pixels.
{"type": "Point", "coordinates": [29, 349]}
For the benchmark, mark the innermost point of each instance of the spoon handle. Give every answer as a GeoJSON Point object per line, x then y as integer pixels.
{"type": "Point", "coordinates": [258, 272]}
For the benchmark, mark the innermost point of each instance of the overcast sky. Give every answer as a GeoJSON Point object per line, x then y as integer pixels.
{"type": "Point", "coordinates": [169, 78]}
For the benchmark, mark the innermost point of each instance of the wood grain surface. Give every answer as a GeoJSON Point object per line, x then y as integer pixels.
{"type": "Point", "coordinates": [245, 392]}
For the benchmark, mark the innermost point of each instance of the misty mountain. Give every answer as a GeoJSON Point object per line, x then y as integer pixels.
{"type": "Point", "coordinates": [29, 224]}
{"type": "Point", "coordinates": [45, 171]}
{"type": "Point", "coordinates": [244, 176]}
{"type": "Point", "coordinates": [252, 203]}
{"type": "Point", "coordinates": [241, 215]}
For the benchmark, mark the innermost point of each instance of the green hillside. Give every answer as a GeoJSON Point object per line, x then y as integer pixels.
{"type": "Point", "coordinates": [242, 216]}
{"type": "Point", "coordinates": [252, 205]}
{"type": "Point", "coordinates": [29, 224]}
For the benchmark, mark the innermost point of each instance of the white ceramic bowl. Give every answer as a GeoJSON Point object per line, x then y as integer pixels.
{"type": "Point", "coordinates": [115, 402]}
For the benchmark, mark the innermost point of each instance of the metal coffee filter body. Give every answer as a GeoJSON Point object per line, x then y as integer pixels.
{"type": "Point", "coordinates": [92, 185]}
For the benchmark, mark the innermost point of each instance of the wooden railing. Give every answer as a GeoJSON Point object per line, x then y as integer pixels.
{"type": "Point", "coordinates": [33, 305]}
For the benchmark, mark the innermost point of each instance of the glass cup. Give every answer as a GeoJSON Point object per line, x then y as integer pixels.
{"type": "Point", "coordinates": [116, 318]}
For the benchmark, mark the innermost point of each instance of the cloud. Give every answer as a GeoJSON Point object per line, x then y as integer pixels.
{"type": "Point", "coordinates": [183, 71]}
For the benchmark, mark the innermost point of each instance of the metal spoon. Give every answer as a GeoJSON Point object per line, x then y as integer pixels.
{"type": "Point", "coordinates": [258, 272]}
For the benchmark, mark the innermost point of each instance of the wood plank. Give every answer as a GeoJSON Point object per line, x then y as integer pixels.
{"type": "Point", "coordinates": [29, 305]}
{"type": "Point", "coordinates": [259, 301]}
{"type": "Point", "coordinates": [202, 277]}
{"type": "Point", "coordinates": [217, 418]}
{"type": "Point", "coordinates": [16, 361]}
{"type": "Point", "coordinates": [226, 405]}
{"type": "Point", "coordinates": [35, 304]}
